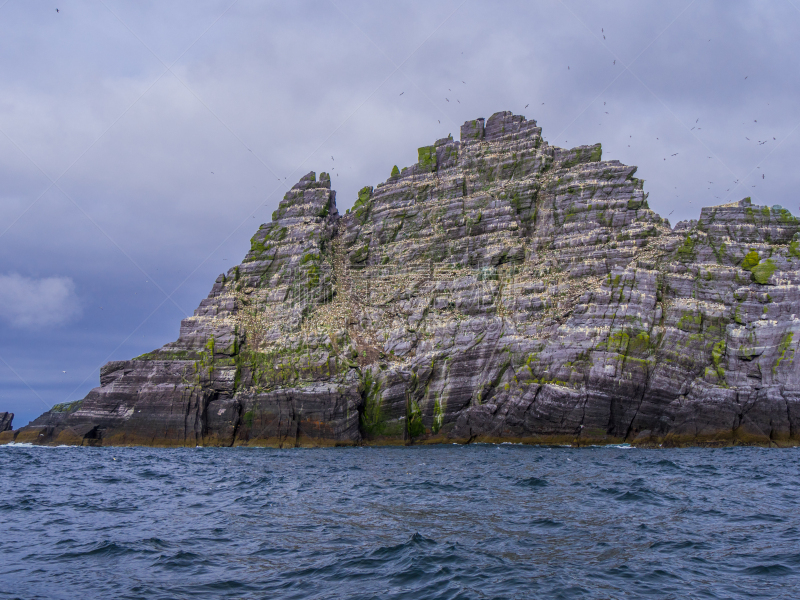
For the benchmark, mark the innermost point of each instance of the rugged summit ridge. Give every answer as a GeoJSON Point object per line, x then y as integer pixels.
{"type": "Point", "coordinates": [499, 289]}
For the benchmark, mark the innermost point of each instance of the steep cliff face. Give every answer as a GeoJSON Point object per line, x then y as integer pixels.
{"type": "Point", "coordinates": [499, 289]}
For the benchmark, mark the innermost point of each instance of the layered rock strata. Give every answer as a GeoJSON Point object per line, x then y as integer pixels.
{"type": "Point", "coordinates": [501, 289]}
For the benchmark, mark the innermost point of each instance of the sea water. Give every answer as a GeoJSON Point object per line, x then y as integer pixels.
{"type": "Point", "coordinates": [477, 521]}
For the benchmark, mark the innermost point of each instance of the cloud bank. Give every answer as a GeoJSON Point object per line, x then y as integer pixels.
{"type": "Point", "coordinates": [26, 302]}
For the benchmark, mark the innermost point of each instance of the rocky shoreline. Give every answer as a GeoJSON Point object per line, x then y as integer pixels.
{"type": "Point", "coordinates": [499, 290]}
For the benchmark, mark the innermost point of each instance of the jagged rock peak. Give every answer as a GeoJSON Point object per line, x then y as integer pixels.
{"type": "Point", "coordinates": [503, 125]}
{"type": "Point", "coordinates": [748, 223]}
{"type": "Point", "coordinates": [308, 199]}
{"type": "Point", "coordinates": [309, 181]}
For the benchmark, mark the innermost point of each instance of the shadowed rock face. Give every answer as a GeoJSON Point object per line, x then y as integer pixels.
{"type": "Point", "coordinates": [500, 289]}
{"type": "Point", "coordinates": [6, 432]}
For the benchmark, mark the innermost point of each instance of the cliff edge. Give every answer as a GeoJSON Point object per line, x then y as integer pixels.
{"type": "Point", "coordinates": [500, 289]}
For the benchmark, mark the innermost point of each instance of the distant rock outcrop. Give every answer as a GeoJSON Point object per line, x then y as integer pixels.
{"type": "Point", "coordinates": [501, 289]}
{"type": "Point", "coordinates": [5, 421]}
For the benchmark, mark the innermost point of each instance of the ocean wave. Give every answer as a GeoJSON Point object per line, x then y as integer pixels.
{"type": "Point", "coordinates": [447, 522]}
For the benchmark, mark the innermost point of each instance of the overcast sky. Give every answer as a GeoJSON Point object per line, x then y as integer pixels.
{"type": "Point", "coordinates": [141, 144]}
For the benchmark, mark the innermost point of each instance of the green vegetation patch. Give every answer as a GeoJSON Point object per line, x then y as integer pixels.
{"type": "Point", "coordinates": [634, 204]}
{"type": "Point", "coordinates": [618, 342]}
{"type": "Point", "coordinates": [784, 216]}
{"type": "Point", "coordinates": [363, 203]}
{"type": "Point", "coordinates": [427, 158]}
{"type": "Point", "coordinates": [690, 322]}
{"type": "Point", "coordinates": [751, 259]}
{"type": "Point", "coordinates": [373, 421]}
{"type": "Point", "coordinates": [717, 354]}
{"type": "Point", "coordinates": [438, 416]}
{"type": "Point", "coordinates": [687, 251]}
{"type": "Point", "coordinates": [167, 355]}
{"type": "Point", "coordinates": [782, 347]}
{"type": "Point", "coordinates": [360, 255]}
{"type": "Point", "coordinates": [639, 344]}
{"type": "Point", "coordinates": [414, 420]}
{"type": "Point", "coordinates": [762, 272]}
{"type": "Point", "coordinates": [66, 407]}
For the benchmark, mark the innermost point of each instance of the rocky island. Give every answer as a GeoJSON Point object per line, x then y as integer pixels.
{"type": "Point", "coordinates": [499, 290]}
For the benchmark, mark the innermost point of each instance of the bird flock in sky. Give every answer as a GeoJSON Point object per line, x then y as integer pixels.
{"type": "Point", "coordinates": [695, 127]}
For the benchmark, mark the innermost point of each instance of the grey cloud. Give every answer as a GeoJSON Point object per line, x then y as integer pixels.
{"type": "Point", "coordinates": [26, 302]}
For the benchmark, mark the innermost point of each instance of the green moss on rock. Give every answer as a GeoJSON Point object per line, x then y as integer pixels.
{"type": "Point", "coordinates": [66, 407]}
{"type": "Point", "coordinates": [414, 419]}
{"type": "Point", "coordinates": [762, 272]}
{"type": "Point", "coordinates": [427, 158]}
{"type": "Point", "coordinates": [750, 260]}
{"type": "Point", "coordinates": [686, 252]}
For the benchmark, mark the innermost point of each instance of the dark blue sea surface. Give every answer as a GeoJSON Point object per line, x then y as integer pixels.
{"type": "Point", "coordinates": [478, 521]}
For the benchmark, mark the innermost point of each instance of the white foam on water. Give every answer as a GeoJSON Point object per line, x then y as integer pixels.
{"type": "Point", "coordinates": [29, 445]}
